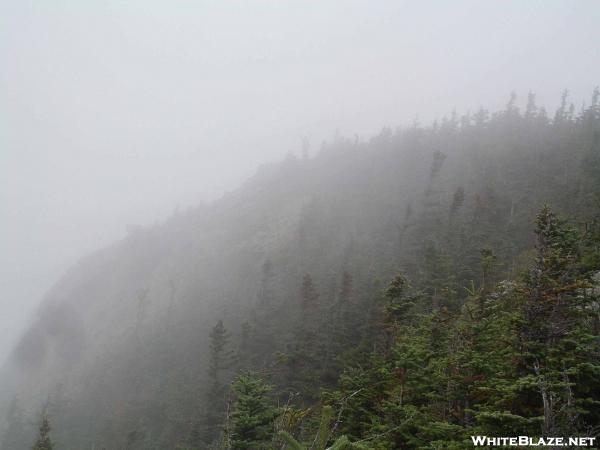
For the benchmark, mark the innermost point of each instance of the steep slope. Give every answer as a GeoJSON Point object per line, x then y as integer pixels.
{"type": "Point", "coordinates": [118, 352]}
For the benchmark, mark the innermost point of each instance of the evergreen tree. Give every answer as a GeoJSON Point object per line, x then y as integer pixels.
{"type": "Point", "coordinates": [397, 309]}
{"type": "Point", "coordinates": [554, 333]}
{"type": "Point", "coordinates": [438, 279]}
{"type": "Point", "coordinates": [347, 315]}
{"type": "Point", "coordinates": [472, 347]}
{"type": "Point", "coordinates": [263, 329]}
{"type": "Point", "coordinates": [43, 441]}
{"type": "Point", "coordinates": [220, 354]}
{"type": "Point", "coordinates": [531, 109]}
{"type": "Point", "coordinates": [208, 430]}
{"type": "Point", "coordinates": [253, 415]}
{"type": "Point", "coordinates": [304, 355]}
{"type": "Point", "coordinates": [308, 293]}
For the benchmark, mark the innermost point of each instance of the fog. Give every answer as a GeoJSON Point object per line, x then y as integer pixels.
{"type": "Point", "coordinates": [116, 113]}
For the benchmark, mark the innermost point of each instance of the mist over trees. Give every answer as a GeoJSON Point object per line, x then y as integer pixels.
{"type": "Point", "coordinates": [405, 291]}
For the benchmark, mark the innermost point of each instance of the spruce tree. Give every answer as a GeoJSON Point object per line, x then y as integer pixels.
{"type": "Point", "coordinates": [308, 293]}
{"type": "Point", "coordinates": [264, 320]}
{"type": "Point", "coordinates": [43, 441]}
{"type": "Point", "coordinates": [303, 357]}
{"type": "Point", "coordinates": [221, 359]}
{"type": "Point", "coordinates": [220, 354]}
{"type": "Point", "coordinates": [322, 437]}
{"type": "Point", "coordinates": [347, 315]}
{"type": "Point", "coordinates": [253, 415]}
{"type": "Point", "coordinates": [554, 335]}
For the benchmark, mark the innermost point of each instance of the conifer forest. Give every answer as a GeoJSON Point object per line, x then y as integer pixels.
{"type": "Point", "coordinates": [405, 290]}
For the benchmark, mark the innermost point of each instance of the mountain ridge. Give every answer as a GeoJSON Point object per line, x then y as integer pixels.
{"type": "Point", "coordinates": [120, 343]}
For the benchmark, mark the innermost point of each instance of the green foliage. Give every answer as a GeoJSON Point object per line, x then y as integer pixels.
{"type": "Point", "coordinates": [342, 443]}
{"type": "Point", "coordinates": [496, 333]}
{"type": "Point", "coordinates": [220, 355]}
{"type": "Point", "coordinates": [207, 429]}
{"type": "Point", "coordinates": [517, 359]}
{"type": "Point", "coordinates": [324, 427]}
{"type": "Point", "coordinates": [253, 415]}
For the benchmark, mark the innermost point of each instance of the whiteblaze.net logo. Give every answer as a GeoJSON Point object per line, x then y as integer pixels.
{"type": "Point", "coordinates": [526, 441]}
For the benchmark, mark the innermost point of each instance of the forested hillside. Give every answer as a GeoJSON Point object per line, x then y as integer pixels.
{"type": "Point", "coordinates": [401, 292]}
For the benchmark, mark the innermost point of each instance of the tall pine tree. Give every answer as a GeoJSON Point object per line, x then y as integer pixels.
{"type": "Point", "coordinates": [43, 441]}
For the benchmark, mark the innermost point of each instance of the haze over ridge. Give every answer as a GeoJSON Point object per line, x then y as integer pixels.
{"type": "Point", "coordinates": [116, 114]}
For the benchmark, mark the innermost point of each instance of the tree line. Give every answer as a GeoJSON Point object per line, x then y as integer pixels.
{"type": "Point", "coordinates": [470, 307]}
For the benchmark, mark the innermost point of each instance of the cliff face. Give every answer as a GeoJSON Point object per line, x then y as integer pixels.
{"type": "Point", "coordinates": [118, 349]}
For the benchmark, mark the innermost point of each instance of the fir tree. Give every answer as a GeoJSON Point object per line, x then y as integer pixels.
{"type": "Point", "coordinates": [253, 415]}
{"type": "Point", "coordinates": [43, 441]}
{"type": "Point", "coordinates": [323, 434]}
{"type": "Point", "coordinates": [221, 358]}
{"type": "Point", "coordinates": [553, 332]}
{"type": "Point", "coordinates": [220, 354]}
{"type": "Point", "coordinates": [308, 293]}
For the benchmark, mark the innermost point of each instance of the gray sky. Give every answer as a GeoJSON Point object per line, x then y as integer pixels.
{"type": "Point", "coordinates": [114, 112]}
